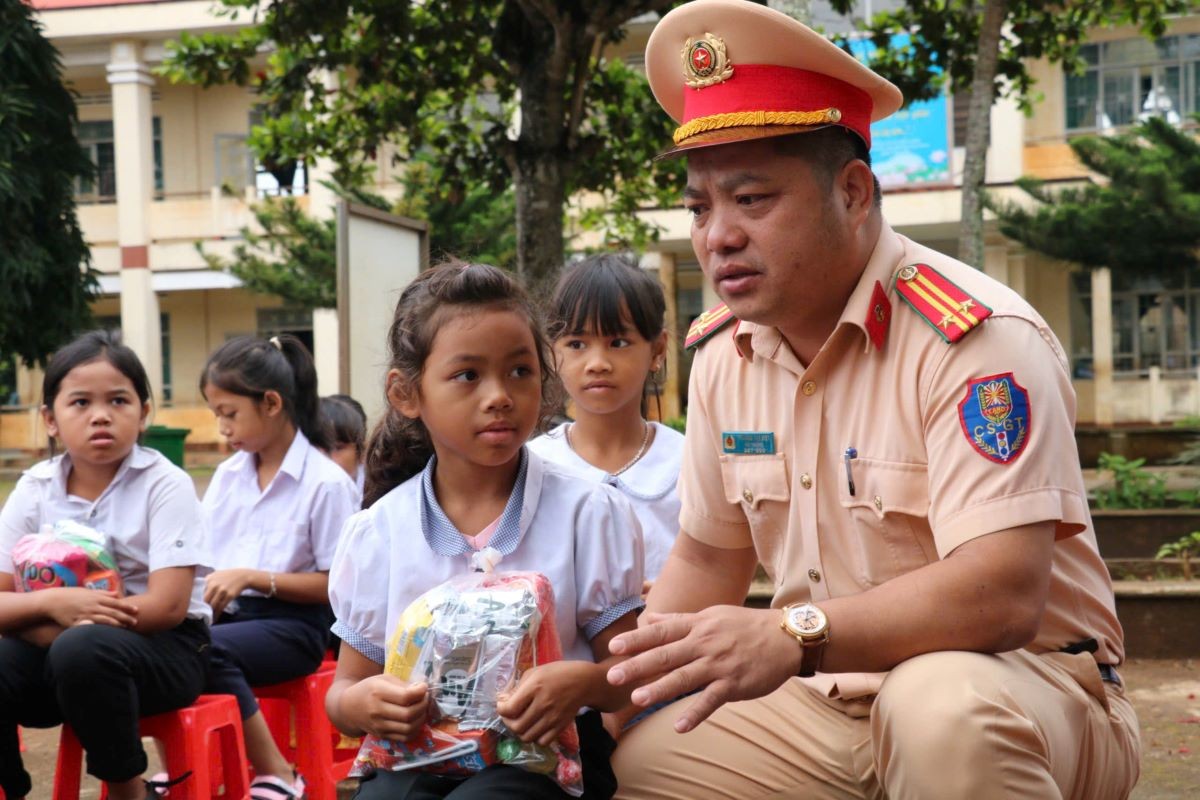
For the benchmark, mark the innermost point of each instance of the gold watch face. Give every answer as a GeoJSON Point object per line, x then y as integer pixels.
{"type": "Point", "coordinates": [806, 619]}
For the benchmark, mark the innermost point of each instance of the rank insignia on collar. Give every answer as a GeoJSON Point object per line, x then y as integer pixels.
{"type": "Point", "coordinates": [994, 416]}
{"type": "Point", "coordinates": [879, 315]}
{"type": "Point", "coordinates": [707, 324]}
{"type": "Point", "coordinates": [943, 305]}
{"type": "Point", "coordinates": [705, 62]}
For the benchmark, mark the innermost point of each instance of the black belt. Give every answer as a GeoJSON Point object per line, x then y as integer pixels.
{"type": "Point", "coordinates": [1108, 674]}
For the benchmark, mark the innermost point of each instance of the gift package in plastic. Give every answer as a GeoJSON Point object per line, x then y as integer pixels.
{"type": "Point", "coordinates": [470, 640]}
{"type": "Point", "coordinates": [66, 554]}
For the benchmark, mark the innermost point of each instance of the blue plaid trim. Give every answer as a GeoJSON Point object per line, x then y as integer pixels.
{"type": "Point", "coordinates": [445, 539]}
{"type": "Point", "coordinates": [612, 614]}
{"type": "Point", "coordinates": [359, 642]}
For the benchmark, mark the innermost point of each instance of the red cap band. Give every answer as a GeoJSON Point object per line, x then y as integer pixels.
{"type": "Point", "coordinates": [764, 87]}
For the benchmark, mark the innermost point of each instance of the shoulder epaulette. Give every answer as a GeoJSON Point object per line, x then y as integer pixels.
{"type": "Point", "coordinates": [942, 304]}
{"type": "Point", "coordinates": [707, 324]}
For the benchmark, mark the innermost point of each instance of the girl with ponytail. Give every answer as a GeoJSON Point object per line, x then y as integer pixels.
{"type": "Point", "coordinates": [274, 510]}
{"type": "Point", "coordinates": [448, 474]}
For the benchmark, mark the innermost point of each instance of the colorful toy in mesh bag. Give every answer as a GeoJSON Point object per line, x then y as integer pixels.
{"type": "Point", "coordinates": [470, 640]}
{"type": "Point", "coordinates": [66, 554]}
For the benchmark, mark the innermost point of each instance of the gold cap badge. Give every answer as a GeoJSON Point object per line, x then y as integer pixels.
{"type": "Point", "coordinates": [705, 62]}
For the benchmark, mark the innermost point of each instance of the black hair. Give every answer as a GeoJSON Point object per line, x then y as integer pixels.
{"type": "Point", "coordinates": [346, 421]}
{"type": "Point", "coordinates": [251, 367]}
{"type": "Point", "coordinates": [400, 447]}
{"type": "Point", "coordinates": [601, 293]}
{"type": "Point", "coordinates": [85, 349]}
{"type": "Point", "coordinates": [829, 149]}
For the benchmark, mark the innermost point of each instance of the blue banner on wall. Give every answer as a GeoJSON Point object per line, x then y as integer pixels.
{"type": "Point", "coordinates": [911, 147]}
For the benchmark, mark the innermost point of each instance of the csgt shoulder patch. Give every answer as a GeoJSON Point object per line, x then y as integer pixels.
{"type": "Point", "coordinates": [994, 416]}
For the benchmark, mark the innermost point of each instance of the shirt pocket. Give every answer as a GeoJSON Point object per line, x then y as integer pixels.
{"type": "Point", "coordinates": [761, 486]}
{"type": "Point", "coordinates": [889, 518]}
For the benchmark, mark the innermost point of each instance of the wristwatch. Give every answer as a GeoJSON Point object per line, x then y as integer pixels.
{"type": "Point", "coordinates": [811, 628]}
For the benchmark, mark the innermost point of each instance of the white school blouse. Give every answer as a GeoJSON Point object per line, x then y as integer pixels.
{"type": "Point", "coordinates": [149, 512]}
{"type": "Point", "coordinates": [292, 525]}
{"type": "Point", "coordinates": [584, 538]}
{"type": "Point", "coordinates": [649, 484]}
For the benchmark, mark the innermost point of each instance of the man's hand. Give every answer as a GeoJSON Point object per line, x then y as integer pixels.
{"type": "Point", "coordinates": [545, 701]}
{"type": "Point", "coordinates": [386, 706]}
{"type": "Point", "coordinates": [730, 652]}
{"type": "Point", "coordinates": [72, 606]}
{"type": "Point", "coordinates": [223, 587]}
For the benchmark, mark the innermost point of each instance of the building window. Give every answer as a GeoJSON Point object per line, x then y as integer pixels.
{"type": "Point", "coordinates": [1156, 323]}
{"type": "Point", "coordinates": [1131, 80]}
{"type": "Point", "coordinates": [296, 321]}
{"type": "Point", "coordinates": [96, 138]}
{"type": "Point", "coordinates": [112, 324]}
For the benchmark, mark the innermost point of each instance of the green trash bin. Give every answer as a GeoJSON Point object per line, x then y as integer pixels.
{"type": "Point", "coordinates": [168, 441]}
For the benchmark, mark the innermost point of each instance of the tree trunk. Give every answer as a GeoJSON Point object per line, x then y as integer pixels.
{"type": "Point", "coordinates": [540, 195]}
{"type": "Point", "coordinates": [979, 119]}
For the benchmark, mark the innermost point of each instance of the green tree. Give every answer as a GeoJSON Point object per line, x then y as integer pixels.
{"type": "Point", "coordinates": [980, 49]}
{"type": "Point", "coordinates": [1142, 214]}
{"type": "Point", "coordinates": [291, 254]}
{"type": "Point", "coordinates": [503, 93]}
{"type": "Point", "coordinates": [46, 279]}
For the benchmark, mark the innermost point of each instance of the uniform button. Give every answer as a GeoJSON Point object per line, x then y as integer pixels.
{"type": "Point", "coordinates": [814, 576]}
{"type": "Point", "coordinates": [808, 388]}
{"type": "Point", "coordinates": [747, 495]}
{"type": "Point", "coordinates": [879, 502]}
{"type": "Point", "coordinates": [806, 481]}
{"type": "Point", "coordinates": [878, 313]}
{"type": "Point", "coordinates": [179, 542]}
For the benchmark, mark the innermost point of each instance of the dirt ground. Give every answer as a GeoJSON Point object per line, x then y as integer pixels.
{"type": "Point", "coordinates": [1165, 693]}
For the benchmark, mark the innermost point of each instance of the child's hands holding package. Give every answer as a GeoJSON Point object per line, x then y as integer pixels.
{"type": "Point", "coordinates": [546, 700]}
{"type": "Point", "coordinates": [387, 707]}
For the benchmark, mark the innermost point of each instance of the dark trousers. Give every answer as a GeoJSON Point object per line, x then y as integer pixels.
{"type": "Point", "coordinates": [100, 679]}
{"type": "Point", "coordinates": [502, 781]}
{"type": "Point", "coordinates": [267, 641]}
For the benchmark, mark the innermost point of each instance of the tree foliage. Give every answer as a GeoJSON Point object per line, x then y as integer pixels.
{"type": "Point", "coordinates": [946, 49]}
{"type": "Point", "coordinates": [504, 93]}
{"type": "Point", "coordinates": [1142, 214]}
{"type": "Point", "coordinates": [46, 281]}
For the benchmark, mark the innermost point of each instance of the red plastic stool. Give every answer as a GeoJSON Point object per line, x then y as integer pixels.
{"type": "Point", "coordinates": [299, 706]}
{"type": "Point", "coordinates": [187, 736]}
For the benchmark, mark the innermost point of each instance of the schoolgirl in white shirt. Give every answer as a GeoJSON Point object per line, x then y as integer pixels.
{"type": "Point", "coordinates": [88, 657]}
{"type": "Point", "coordinates": [347, 424]}
{"type": "Point", "coordinates": [447, 474]}
{"type": "Point", "coordinates": [274, 511]}
{"type": "Point", "coordinates": [606, 322]}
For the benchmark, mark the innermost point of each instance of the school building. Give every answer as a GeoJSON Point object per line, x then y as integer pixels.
{"type": "Point", "coordinates": [173, 169]}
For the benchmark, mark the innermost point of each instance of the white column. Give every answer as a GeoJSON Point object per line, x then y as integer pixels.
{"type": "Point", "coordinates": [1016, 270]}
{"type": "Point", "coordinates": [325, 349]}
{"type": "Point", "coordinates": [133, 138]}
{"type": "Point", "coordinates": [1102, 346]}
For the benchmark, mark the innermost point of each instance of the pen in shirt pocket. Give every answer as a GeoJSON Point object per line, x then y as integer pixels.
{"type": "Point", "coordinates": [850, 454]}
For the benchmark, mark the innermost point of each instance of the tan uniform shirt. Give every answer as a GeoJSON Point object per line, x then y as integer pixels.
{"type": "Point", "coordinates": [921, 487]}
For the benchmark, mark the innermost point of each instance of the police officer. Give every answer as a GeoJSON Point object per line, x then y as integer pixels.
{"type": "Point", "coordinates": [890, 433]}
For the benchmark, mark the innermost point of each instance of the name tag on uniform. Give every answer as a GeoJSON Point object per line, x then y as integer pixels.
{"type": "Point", "coordinates": [748, 443]}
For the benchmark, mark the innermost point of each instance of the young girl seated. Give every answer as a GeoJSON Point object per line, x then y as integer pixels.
{"type": "Point", "coordinates": [347, 424]}
{"type": "Point", "coordinates": [274, 510]}
{"type": "Point", "coordinates": [447, 474]}
{"type": "Point", "coordinates": [606, 322]}
{"type": "Point", "coordinates": [89, 657]}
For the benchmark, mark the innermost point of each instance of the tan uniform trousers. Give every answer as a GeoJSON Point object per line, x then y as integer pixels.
{"type": "Point", "coordinates": [953, 725]}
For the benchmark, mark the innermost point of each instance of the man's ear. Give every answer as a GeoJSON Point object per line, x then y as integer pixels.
{"type": "Point", "coordinates": [857, 184]}
{"type": "Point", "coordinates": [402, 395]}
{"type": "Point", "coordinates": [271, 404]}
{"type": "Point", "coordinates": [48, 421]}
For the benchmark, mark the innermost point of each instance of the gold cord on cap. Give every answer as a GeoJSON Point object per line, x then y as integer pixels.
{"type": "Point", "coordinates": [741, 119]}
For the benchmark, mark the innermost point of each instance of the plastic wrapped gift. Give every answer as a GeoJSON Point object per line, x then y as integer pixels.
{"type": "Point", "coordinates": [66, 554]}
{"type": "Point", "coordinates": [470, 640]}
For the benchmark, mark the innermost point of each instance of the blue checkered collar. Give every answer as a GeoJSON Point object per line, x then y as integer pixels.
{"type": "Point", "coordinates": [447, 540]}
